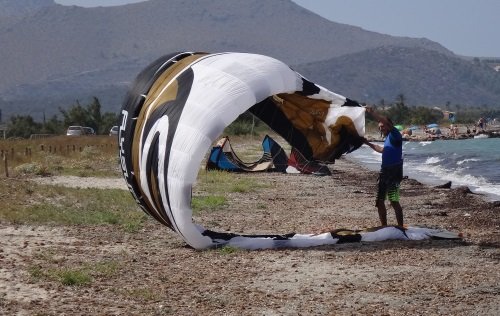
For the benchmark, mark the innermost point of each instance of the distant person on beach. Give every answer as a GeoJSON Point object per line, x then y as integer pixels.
{"type": "Point", "coordinates": [482, 124]}
{"type": "Point", "coordinates": [391, 171]}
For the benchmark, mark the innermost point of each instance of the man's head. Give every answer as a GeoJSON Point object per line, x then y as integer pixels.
{"type": "Point", "coordinates": [385, 128]}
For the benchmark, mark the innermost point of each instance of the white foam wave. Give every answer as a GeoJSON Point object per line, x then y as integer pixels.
{"type": "Point", "coordinates": [436, 174]}
{"type": "Point", "coordinates": [425, 143]}
{"type": "Point", "coordinates": [467, 160]}
{"type": "Point", "coordinates": [433, 160]}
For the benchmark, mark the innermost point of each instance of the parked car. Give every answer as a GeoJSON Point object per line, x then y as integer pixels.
{"type": "Point", "coordinates": [75, 131]}
{"type": "Point", "coordinates": [113, 131]}
{"type": "Point", "coordinates": [88, 130]}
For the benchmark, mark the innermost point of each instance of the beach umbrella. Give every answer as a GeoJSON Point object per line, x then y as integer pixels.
{"type": "Point", "coordinates": [399, 127]}
{"type": "Point", "coordinates": [413, 127]}
{"type": "Point", "coordinates": [433, 125]}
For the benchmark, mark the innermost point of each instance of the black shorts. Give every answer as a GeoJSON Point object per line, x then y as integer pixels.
{"type": "Point", "coordinates": [389, 180]}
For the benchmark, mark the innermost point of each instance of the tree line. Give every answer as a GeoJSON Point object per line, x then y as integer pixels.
{"type": "Point", "coordinates": [400, 113]}
{"type": "Point", "coordinates": [90, 115]}
{"type": "Point", "coordinates": [83, 115]}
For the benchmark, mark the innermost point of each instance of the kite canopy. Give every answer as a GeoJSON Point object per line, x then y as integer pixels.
{"type": "Point", "coordinates": [181, 103]}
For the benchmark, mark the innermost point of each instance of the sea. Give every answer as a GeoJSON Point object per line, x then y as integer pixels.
{"type": "Point", "coordinates": [474, 163]}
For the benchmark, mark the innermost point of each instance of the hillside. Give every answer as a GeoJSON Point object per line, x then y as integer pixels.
{"type": "Point", "coordinates": [55, 55]}
{"type": "Point", "coordinates": [20, 8]}
{"type": "Point", "coordinates": [423, 76]}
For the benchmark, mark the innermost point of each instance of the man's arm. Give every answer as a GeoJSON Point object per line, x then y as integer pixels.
{"type": "Point", "coordinates": [377, 148]}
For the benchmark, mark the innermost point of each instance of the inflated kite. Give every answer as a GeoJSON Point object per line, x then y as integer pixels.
{"type": "Point", "coordinates": [181, 103]}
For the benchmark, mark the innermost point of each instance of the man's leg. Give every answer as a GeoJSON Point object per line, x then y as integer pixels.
{"type": "Point", "coordinates": [382, 212]}
{"type": "Point", "coordinates": [399, 212]}
{"type": "Point", "coordinates": [393, 195]}
{"type": "Point", "coordinates": [380, 202]}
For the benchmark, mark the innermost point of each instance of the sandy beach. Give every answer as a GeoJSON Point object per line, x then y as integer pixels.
{"type": "Point", "coordinates": [156, 274]}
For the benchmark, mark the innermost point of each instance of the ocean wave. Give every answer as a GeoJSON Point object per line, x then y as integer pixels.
{"type": "Point", "coordinates": [467, 160]}
{"type": "Point", "coordinates": [435, 174]}
{"type": "Point", "coordinates": [433, 160]}
{"type": "Point", "coordinates": [472, 163]}
{"type": "Point", "coordinates": [425, 143]}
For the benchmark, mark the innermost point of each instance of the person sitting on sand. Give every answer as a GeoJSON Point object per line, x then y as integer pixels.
{"type": "Point", "coordinates": [391, 171]}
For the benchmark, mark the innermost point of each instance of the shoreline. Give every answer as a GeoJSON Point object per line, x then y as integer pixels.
{"type": "Point", "coordinates": [454, 207]}
{"type": "Point", "coordinates": [420, 136]}
{"type": "Point", "coordinates": [488, 198]}
{"type": "Point", "coordinates": [439, 168]}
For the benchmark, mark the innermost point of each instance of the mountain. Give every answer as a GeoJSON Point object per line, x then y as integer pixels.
{"type": "Point", "coordinates": [54, 55]}
{"type": "Point", "coordinates": [424, 77]}
{"type": "Point", "coordinates": [19, 8]}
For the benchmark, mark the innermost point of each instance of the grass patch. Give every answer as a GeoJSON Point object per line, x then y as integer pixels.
{"type": "Point", "coordinates": [89, 156]}
{"type": "Point", "coordinates": [55, 205]}
{"type": "Point", "coordinates": [221, 182]}
{"type": "Point", "coordinates": [65, 276]}
{"type": "Point", "coordinates": [227, 250]}
{"type": "Point", "coordinates": [106, 269]}
{"type": "Point", "coordinates": [143, 293]}
{"type": "Point", "coordinates": [211, 202]}
{"type": "Point", "coordinates": [32, 168]}
{"type": "Point", "coordinates": [75, 276]}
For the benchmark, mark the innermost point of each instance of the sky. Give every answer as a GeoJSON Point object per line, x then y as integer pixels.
{"type": "Point", "coordinates": [466, 27]}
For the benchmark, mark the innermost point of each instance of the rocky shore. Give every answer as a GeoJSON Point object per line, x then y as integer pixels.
{"type": "Point", "coordinates": [459, 132]}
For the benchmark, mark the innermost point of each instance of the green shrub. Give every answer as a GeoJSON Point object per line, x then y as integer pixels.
{"type": "Point", "coordinates": [74, 277]}
{"type": "Point", "coordinates": [32, 168]}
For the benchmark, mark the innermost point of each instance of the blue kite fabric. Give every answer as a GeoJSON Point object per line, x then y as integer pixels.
{"type": "Point", "coordinates": [222, 157]}
{"type": "Point", "coordinates": [181, 103]}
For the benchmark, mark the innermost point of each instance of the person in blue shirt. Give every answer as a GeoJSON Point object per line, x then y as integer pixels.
{"type": "Point", "coordinates": [391, 171]}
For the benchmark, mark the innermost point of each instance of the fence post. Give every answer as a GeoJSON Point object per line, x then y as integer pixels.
{"type": "Point", "coordinates": [5, 164]}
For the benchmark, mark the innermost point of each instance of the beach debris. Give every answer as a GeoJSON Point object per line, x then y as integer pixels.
{"type": "Point", "coordinates": [446, 185]}
{"type": "Point", "coordinates": [464, 190]}
{"type": "Point", "coordinates": [495, 203]}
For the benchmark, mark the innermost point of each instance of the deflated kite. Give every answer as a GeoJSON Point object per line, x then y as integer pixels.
{"type": "Point", "coordinates": [181, 103]}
